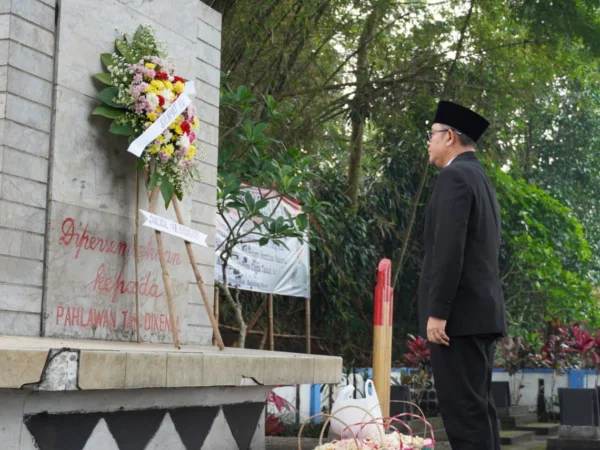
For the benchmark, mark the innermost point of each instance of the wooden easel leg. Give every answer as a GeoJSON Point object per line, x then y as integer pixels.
{"type": "Point", "coordinates": [136, 240]}
{"type": "Point", "coordinates": [200, 281]}
{"type": "Point", "coordinates": [153, 197]}
{"type": "Point", "coordinates": [217, 308]}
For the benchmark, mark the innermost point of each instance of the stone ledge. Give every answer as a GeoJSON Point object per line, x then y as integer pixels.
{"type": "Point", "coordinates": [104, 365]}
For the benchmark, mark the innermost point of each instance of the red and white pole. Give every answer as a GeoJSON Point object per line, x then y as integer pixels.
{"type": "Point", "coordinates": [382, 335]}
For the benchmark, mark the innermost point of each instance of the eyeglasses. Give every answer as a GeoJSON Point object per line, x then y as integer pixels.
{"type": "Point", "coordinates": [430, 133]}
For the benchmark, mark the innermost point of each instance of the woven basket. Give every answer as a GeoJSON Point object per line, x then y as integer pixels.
{"type": "Point", "coordinates": [387, 422]}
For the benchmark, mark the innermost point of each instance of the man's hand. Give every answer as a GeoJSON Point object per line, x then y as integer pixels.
{"type": "Point", "coordinates": [436, 331]}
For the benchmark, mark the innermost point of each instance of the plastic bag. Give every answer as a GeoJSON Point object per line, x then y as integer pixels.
{"type": "Point", "coordinates": [348, 410]}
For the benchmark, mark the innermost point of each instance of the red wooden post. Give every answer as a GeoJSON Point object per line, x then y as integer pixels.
{"type": "Point", "coordinates": [382, 334]}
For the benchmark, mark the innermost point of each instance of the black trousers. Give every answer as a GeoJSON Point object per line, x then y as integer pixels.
{"type": "Point", "coordinates": [462, 376]}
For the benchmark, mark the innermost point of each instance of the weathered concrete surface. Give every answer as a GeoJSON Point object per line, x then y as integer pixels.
{"type": "Point", "coordinates": [76, 364]}
{"type": "Point", "coordinates": [90, 271]}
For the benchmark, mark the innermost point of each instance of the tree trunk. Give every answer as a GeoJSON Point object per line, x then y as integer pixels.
{"type": "Point", "coordinates": [360, 106]}
{"type": "Point", "coordinates": [236, 306]}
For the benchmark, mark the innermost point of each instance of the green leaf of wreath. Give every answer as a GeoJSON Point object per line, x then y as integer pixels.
{"type": "Point", "coordinates": [121, 130]}
{"type": "Point", "coordinates": [107, 111]}
{"type": "Point", "coordinates": [124, 50]}
{"type": "Point", "coordinates": [167, 190]}
{"type": "Point", "coordinates": [107, 59]}
{"type": "Point", "coordinates": [107, 95]}
{"type": "Point", "coordinates": [104, 77]}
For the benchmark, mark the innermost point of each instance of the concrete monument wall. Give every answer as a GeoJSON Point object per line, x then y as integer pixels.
{"type": "Point", "coordinates": [27, 42]}
{"type": "Point", "coordinates": [67, 194]}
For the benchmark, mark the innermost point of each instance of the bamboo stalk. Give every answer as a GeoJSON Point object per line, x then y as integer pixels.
{"type": "Point", "coordinates": [271, 335]}
{"type": "Point", "coordinates": [199, 280]}
{"type": "Point", "coordinates": [165, 271]}
{"type": "Point", "coordinates": [136, 241]}
{"type": "Point", "coordinates": [256, 317]}
{"type": "Point", "coordinates": [263, 340]}
{"type": "Point", "coordinates": [307, 325]}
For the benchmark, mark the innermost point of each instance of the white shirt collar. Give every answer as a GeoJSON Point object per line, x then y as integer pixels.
{"type": "Point", "coordinates": [457, 155]}
{"type": "Point", "coordinates": [450, 161]}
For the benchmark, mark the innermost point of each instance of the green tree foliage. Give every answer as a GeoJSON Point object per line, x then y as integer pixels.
{"type": "Point", "coordinates": [366, 76]}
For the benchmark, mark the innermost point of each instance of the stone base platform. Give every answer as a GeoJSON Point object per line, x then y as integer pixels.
{"type": "Point", "coordinates": [76, 394]}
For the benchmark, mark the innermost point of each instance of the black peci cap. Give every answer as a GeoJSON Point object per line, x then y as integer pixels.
{"type": "Point", "coordinates": [461, 118]}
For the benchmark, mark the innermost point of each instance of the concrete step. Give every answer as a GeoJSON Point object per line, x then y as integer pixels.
{"type": "Point", "coordinates": [531, 445]}
{"type": "Point", "coordinates": [541, 429]}
{"type": "Point", "coordinates": [513, 411]}
{"type": "Point", "coordinates": [440, 434]}
{"type": "Point", "coordinates": [417, 425]}
{"type": "Point", "coordinates": [516, 437]}
{"type": "Point", "coordinates": [557, 443]}
{"type": "Point", "coordinates": [513, 422]}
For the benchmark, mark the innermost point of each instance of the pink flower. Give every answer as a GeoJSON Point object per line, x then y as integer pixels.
{"type": "Point", "coordinates": [192, 136]}
{"type": "Point", "coordinates": [137, 78]}
{"type": "Point", "coordinates": [164, 157]}
{"type": "Point", "coordinates": [191, 110]}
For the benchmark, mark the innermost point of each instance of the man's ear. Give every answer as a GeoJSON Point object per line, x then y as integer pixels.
{"type": "Point", "coordinates": [451, 137]}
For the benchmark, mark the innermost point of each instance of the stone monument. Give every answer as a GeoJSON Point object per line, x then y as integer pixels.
{"type": "Point", "coordinates": [71, 373]}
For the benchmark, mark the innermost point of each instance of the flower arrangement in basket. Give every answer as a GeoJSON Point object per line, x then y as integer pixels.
{"type": "Point", "coordinates": [142, 86]}
{"type": "Point", "coordinates": [402, 439]}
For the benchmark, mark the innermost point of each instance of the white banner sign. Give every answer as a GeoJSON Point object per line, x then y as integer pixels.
{"type": "Point", "coordinates": [163, 122]}
{"type": "Point", "coordinates": [271, 268]}
{"type": "Point", "coordinates": [173, 228]}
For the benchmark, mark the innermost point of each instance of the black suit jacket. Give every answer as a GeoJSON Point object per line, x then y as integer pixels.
{"type": "Point", "coordinates": [460, 279]}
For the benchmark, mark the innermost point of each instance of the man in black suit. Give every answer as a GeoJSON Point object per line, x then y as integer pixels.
{"type": "Point", "coordinates": [461, 304]}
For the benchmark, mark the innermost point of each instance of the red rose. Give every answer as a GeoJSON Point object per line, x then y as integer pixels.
{"type": "Point", "coordinates": [161, 100]}
{"type": "Point", "coordinates": [161, 76]}
{"type": "Point", "coordinates": [185, 126]}
{"type": "Point", "coordinates": [176, 79]}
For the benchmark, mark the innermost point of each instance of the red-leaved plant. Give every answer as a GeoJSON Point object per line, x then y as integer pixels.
{"type": "Point", "coordinates": [584, 349]}
{"type": "Point", "coordinates": [418, 353]}
{"type": "Point", "coordinates": [273, 423]}
{"type": "Point", "coordinates": [419, 358]}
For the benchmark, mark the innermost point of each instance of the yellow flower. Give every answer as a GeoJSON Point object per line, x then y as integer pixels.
{"type": "Point", "coordinates": [169, 149]}
{"type": "Point", "coordinates": [168, 85]}
{"type": "Point", "coordinates": [150, 66]}
{"type": "Point", "coordinates": [161, 139]}
{"type": "Point", "coordinates": [196, 122]}
{"type": "Point", "coordinates": [158, 84]}
{"type": "Point", "coordinates": [191, 152]}
{"type": "Point", "coordinates": [154, 148]}
{"type": "Point", "coordinates": [159, 109]}
{"type": "Point", "coordinates": [152, 116]}
{"type": "Point", "coordinates": [179, 87]}
{"type": "Point", "coordinates": [152, 89]}
{"type": "Point", "coordinates": [178, 129]}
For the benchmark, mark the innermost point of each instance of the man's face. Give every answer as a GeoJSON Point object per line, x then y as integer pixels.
{"type": "Point", "coordinates": [438, 147]}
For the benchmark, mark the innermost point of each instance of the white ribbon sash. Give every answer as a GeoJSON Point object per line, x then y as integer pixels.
{"type": "Point", "coordinates": [168, 226]}
{"type": "Point", "coordinates": [163, 122]}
